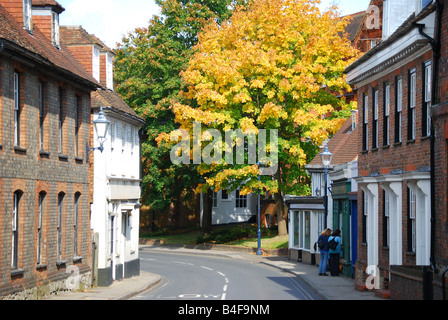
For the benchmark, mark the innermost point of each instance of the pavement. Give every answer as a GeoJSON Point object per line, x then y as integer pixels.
{"type": "Point", "coordinates": [329, 288]}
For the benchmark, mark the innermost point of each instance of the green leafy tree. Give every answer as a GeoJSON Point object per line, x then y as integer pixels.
{"type": "Point", "coordinates": [147, 75]}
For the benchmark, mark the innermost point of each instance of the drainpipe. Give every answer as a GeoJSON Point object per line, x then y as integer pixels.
{"type": "Point", "coordinates": [436, 48]}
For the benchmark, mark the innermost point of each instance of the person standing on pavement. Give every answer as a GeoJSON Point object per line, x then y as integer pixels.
{"type": "Point", "coordinates": [324, 251]}
{"type": "Point", "coordinates": [335, 252]}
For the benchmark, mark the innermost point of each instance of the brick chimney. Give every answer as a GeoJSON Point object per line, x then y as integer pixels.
{"type": "Point", "coordinates": [21, 11]}
{"type": "Point", "coordinates": [46, 18]}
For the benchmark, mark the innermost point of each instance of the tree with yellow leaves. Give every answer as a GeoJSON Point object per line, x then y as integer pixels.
{"type": "Point", "coordinates": [279, 66]}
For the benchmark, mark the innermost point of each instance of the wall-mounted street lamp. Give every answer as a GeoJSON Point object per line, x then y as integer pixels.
{"type": "Point", "coordinates": [101, 125]}
{"type": "Point", "coordinates": [326, 156]}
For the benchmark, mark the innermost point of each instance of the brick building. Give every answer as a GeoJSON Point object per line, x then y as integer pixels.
{"type": "Point", "coordinates": [440, 149]}
{"type": "Point", "coordinates": [44, 176]}
{"type": "Point", "coordinates": [394, 81]}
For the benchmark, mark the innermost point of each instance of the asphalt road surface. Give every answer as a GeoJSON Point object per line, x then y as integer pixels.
{"type": "Point", "coordinates": [202, 277]}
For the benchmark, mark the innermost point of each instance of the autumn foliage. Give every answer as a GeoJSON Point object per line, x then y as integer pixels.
{"type": "Point", "coordinates": [277, 65]}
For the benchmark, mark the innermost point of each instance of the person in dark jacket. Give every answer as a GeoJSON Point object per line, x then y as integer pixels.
{"type": "Point", "coordinates": [324, 251]}
{"type": "Point", "coordinates": [335, 254]}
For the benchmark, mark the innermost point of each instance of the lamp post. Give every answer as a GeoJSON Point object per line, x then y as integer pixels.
{"type": "Point", "coordinates": [259, 252]}
{"type": "Point", "coordinates": [101, 125]}
{"type": "Point", "coordinates": [326, 156]}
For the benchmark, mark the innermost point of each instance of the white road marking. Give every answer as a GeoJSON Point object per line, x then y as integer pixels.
{"type": "Point", "coordinates": [181, 262]}
{"type": "Point", "coordinates": [206, 268]}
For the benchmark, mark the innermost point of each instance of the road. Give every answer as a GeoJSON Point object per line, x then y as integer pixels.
{"type": "Point", "coordinates": [203, 277]}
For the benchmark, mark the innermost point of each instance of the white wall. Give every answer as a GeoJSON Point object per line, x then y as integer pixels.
{"type": "Point", "coordinates": [117, 192]}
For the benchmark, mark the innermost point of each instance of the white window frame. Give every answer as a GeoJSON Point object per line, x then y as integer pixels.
{"type": "Point", "coordinates": [241, 201]}
{"type": "Point", "coordinates": [61, 199]}
{"type": "Point", "coordinates": [412, 100]}
{"type": "Point", "coordinates": [214, 199]}
{"type": "Point", "coordinates": [412, 202]}
{"type": "Point", "coordinates": [387, 113]}
{"type": "Point", "coordinates": [375, 118]}
{"type": "Point", "coordinates": [15, 231]}
{"type": "Point", "coordinates": [109, 72]}
{"type": "Point", "coordinates": [76, 224]}
{"type": "Point", "coordinates": [227, 193]}
{"type": "Point", "coordinates": [16, 109]}
{"type": "Point", "coordinates": [41, 116]}
{"type": "Point", "coordinates": [39, 227]}
{"type": "Point", "coordinates": [96, 63]}
{"type": "Point", "coordinates": [400, 108]}
{"type": "Point", "coordinates": [27, 15]}
{"type": "Point", "coordinates": [387, 216]}
{"type": "Point", "coordinates": [428, 96]}
{"type": "Point", "coordinates": [55, 34]}
{"type": "Point", "coordinates": [302, 229]}
{"type": "Point", "coordinates": [366, 121]}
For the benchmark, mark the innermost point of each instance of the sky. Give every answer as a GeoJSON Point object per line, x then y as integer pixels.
{"type": "Point", "coordinates": [110, 20]}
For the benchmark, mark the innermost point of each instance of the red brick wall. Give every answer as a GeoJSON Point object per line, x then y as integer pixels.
{"type": "Point", "coordinates": [15, 8]}
{"type": "Point", "coordinates": [83, 53]}
{"type": "Point", "coordinates": [30, 170]}
{"type": "Point", "coordinates": [406, 156]}
{"type": "Point", "coordinates": [43, 23]}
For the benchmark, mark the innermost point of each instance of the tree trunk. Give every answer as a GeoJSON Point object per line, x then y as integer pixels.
{"type": "Point", "coordinates": [280, 210]}
{"type": "Point", "coordinates": [207, 204]}
{"type": "Point", "coordinates": [280, 207]}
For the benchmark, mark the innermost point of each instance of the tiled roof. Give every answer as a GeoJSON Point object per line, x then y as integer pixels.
{"type": "Point", "coordinates": [43, 3]}
{"type": "Point", "coordinates": [77, 35]}
{"type": "Point", "coordinates": [343, 146]}
{"type": "Point", "coordinates": [39, 47]}
{"type": "Point", "coordinates": [108, 98]}
{"type": "Point", "coordinates": [355, 24]}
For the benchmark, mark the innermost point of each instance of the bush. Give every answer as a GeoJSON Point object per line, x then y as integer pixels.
{"type": "Point", "coordinates": [227, 234]}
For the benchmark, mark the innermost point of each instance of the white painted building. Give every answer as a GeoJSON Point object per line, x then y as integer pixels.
{"type": "Point", "coordinates": [232, 207]}
{"type": "Point", "coordinates": [117, 191]}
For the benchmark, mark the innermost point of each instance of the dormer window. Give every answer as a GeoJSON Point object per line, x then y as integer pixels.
{"type": "Point", "coordinates": [27, 15]}
{"type": "Point", "coordinates": [55, 29]}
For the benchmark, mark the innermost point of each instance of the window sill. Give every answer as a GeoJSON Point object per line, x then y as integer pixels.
{"type": "Point", "coordinates": [60, 263]}
{"type": "Point", "coordinates": [20, 150]}
{"type": "Point", "coordinates": [77, 259]}
{"type": "Point", "coordinates": [387, 146]}
{"type": "Point", "coordinates": [411, 254]}
{"type": "Point", "coordinates": [79, 160]}
{"type": "Point", "coordinates": [63, 157]}
{"type": "Point", "coordinates": [425, 138]}
{"type": "Point", "coordinates": [44, 154]}
{"type": "Point", "coordinates": [374, 149]}
{"type": "Point", "coordinates": [17, 272]}
{"type": "Point", "coordinates": [364, 151]}
{"type": "Point", "coordinates": [396, 144]}
{"type": "Point", "coordinates": [410, 141]}
{"type": "Point", "coordinates": [41, 266]}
